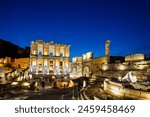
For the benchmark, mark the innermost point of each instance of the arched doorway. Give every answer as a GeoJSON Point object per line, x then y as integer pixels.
{"type": "Point", "coordinates": [86, 72]}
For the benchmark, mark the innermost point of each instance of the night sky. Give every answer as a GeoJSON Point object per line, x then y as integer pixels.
{"type": "Point", "coordinates": [83, 24]}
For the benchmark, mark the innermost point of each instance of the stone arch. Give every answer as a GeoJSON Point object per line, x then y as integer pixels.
{"type": "Point", "coordinates": [86, 71]}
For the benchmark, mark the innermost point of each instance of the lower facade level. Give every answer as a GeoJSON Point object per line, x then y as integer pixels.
{"type": "Point", "coordinates": [46, 65]}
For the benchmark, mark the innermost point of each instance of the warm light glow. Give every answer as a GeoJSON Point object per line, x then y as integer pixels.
{"type": "Point", "coordinates": [122, 67]}
{"type": "Point", "coordinates": [19, 79]}
{"type": "Point", "coordinates": [134, 57]}
{"type": "Point", "coordinates": [57, 63]}
{"type": "Point", "coordinates": [141, 67]}
{"type": "Point", "coordinates": [89, 55]}
{"type": "Point", "coordinates": [34, 63]}
{"type": "Point", "coordinates": [115, 90]}
{"type": "Point", "coordinates": [25, 84]}
{"type": "Point", "coordinates": [14, 83]}
{"type": "Point", "coordinates": [71, 84]}
{"type": "Point", "coordinates": [53, 77]}
{"type": "Point", "coordinates": [86, 71]}
{"type": "Point", "coordinates": [34, 52]}
{"type": "Point", "coordinates": [74, 59]}
{"type": "Point", "coordinates": [119, 78]}
{"type": "Point", "coordinates": [45, 62]}
{"type": "Point", "coordinates": [105, 67]}
{"type": "Point", "coordinates": [84, 57]}
{"type": "Point", "coordinates": [30, 76]}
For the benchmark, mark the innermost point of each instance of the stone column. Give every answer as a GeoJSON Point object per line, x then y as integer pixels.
{"type": "Point", "coordinates": [69, 51]}
{"type": "Point", "coordinates": [107, 50]}
{"type": "Point", "coordinates": [31, 45]}
{"type": "Point", "coordinates": [31, 65]}
{"type": "Point", "coordinates": [37, 52]}
{"type": "Point", "coordinates": [43, 49]}
{"type": "Point", "coordinates": [58, 50]}
{"type": "Point", "coordinates": [48, 51]}
{"type": "Point", "coordinates": [54, 65]}
{"type": "Point", "coordinates": [47, 66]}
{"type": "Point", "coordinates": [54, 50]}
{"type": "Point", "coordinates": [43, 67]}
{"type": "Point", "coordinates": [64, 52]}
{"type": "Point", "coordinates": [37, 69]}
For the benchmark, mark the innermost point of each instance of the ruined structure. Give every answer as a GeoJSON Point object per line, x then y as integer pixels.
{"type": "Point", "coordinates": [111, 66]}
{"type": "Point", "coordinates": [21, 63]}
{"type": "Point", "coordinates": [135, 57]}
{"type": "Point", "coordinates": [81, 66]}
{"type": "Point", "coordinates": [14, 62]}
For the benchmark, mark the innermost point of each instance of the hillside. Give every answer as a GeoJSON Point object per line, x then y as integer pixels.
{"type": "Point", "coordinates": [11, 50]}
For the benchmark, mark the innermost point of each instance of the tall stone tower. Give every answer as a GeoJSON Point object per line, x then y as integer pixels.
{"type": "Point", "coordinates": [107, 50]}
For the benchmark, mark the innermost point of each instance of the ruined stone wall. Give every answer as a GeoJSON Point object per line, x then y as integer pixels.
{"type": "Point", "coordinates": [143, 65]}
{"type": "Point", "coordinates": [119, 91]}
{"type": "Point", "coordinates": [22, 63]}
{"type": "Point", "coordinates": [135, 57]}
{"type": "Point", "coordinates": [140, 69]}
{"type": "Point", "coordinates": [97, 63]}
{"type": "Point", "coordinates": [140, 75]}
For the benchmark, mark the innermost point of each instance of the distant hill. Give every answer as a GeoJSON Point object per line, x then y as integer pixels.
{"type": "Point", "coordinates": [11, 50]}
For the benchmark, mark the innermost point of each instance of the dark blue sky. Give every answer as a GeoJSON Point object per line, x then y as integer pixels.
{"type": "Point", "coordinates": [83, 24]}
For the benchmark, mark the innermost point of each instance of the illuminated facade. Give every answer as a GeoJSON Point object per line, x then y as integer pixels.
{"type": "Point", "coordinates": [81, 66]}
{"type": "Point", "coordinates": [49, 58]}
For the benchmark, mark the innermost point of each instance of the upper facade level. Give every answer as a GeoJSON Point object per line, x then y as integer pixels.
{"type": "Point", "coordinates": [51, 49]}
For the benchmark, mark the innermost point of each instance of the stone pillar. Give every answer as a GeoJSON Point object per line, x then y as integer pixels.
{"type": "Point", "coordinates": [64, 52]}
{"type": "Point", "coordinates": [31, 65]}
{"type": "Point", "coordinates": [54, 51]}
{"type": "Point", "coordinates": [107, 50]}
{"type": "Point", "coordinates": [37, 52]}
{"type": "Point", "coordinates": [37, 66]}
{"type": "Point", "coordinates": [54, 64]}
{"type": "Point", "coordinates": [47, 66]}
{"type": "Point", "coordinates": [57, 50]}
{"type": "Point", "coordinates": [43, 67]}
{"type": "Point", "coordinates": [31, 45]}
{"type": "Point", "coordinates": [48, 51]}
{"type": "Point", "coordinates": [84, 83]}
{"type": "Point", "coordinates": [69, 51]}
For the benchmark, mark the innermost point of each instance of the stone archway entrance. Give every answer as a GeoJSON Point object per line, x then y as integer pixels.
{"type": "Point", "coordinates": [86, 72]}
